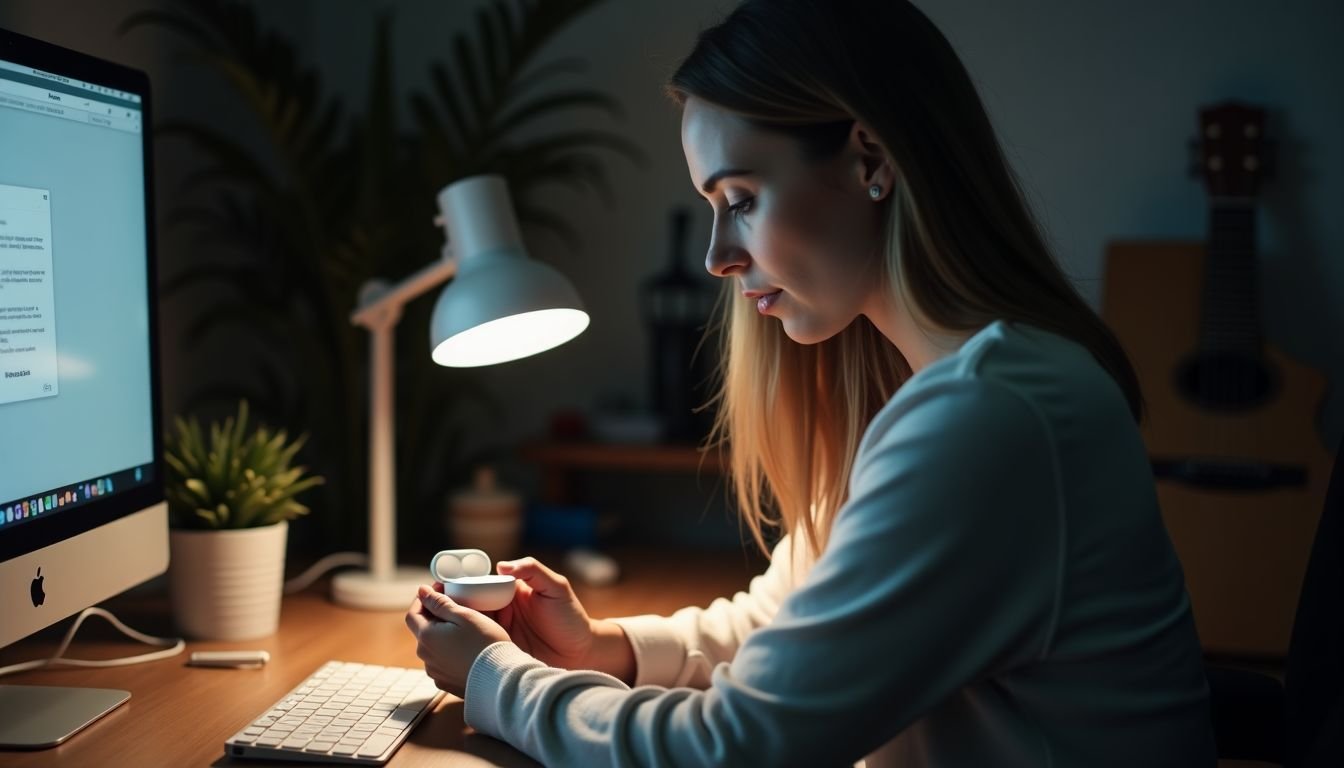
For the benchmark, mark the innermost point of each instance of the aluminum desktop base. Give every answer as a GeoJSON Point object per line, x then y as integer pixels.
{"type": "Point", "coordinates": [40, 716]}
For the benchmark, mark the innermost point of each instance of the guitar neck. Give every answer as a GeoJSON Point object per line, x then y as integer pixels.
{"type": "Point", "coordinates": [1230, 310]}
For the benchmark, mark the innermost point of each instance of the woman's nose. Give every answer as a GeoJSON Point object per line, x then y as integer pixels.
{"type": "Point", "coordinates": [725, 258]}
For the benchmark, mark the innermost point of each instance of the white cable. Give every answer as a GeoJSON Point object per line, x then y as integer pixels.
{"type": "Point", "coordinates": [177, 643]}
{"type": "Point", "coordinates": [321, 567]}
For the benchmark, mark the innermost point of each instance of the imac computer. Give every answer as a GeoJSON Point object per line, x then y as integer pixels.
{"type": "Point", "coordinates": [82, 512]}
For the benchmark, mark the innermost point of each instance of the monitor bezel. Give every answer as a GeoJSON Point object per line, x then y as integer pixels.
{"type": "Point", "coordinates": [42, 532]}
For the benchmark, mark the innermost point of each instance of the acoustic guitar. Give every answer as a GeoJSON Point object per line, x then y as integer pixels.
{"type": "Point", "coordinates": [1230, 426]}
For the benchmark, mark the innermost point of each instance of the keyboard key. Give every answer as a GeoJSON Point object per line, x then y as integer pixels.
{"type": "Point", "coordinates": [319, 746]}
{"type": "Point", "coordinates": [376, 745]}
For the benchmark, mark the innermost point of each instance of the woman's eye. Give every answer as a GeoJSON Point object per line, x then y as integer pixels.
{"type": "Point", "coordinates": [740, 208]}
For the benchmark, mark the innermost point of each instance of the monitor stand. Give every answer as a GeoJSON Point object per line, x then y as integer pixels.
{"type": "Point", "coordinates": [41, 716]}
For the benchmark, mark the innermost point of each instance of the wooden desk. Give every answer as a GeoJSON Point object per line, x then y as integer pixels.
{"type": "Point", "coordinates": [179, 716]}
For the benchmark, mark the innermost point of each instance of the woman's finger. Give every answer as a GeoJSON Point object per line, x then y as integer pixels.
{"type": "Point", "coordinates": [438, 604]}
{"type": "Point", "coordinates": [539, 577]}
{"type": "Point", "coordinates": [415, 617]}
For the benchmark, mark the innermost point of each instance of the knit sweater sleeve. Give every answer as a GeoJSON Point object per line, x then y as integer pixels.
{"type": "Point", "coordinates": [683, 649]}
{"type": "Point", "coordinates": [942, 569]}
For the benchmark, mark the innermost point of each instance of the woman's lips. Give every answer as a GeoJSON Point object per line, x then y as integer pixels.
{"type": "Point", "coordinates": [764, 303]}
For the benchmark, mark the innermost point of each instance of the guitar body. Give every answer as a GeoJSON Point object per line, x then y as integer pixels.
{"type": "Point", "coordinates": [1244, 550]}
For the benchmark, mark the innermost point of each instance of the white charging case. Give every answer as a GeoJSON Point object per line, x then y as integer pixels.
{"type": "Point", "coordinates": [466, 578]}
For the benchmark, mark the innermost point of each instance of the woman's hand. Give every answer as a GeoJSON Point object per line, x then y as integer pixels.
{"type": "Point", "coordinates": [449, 637]}
{"type": "Point", "coordinates": [545, 618]}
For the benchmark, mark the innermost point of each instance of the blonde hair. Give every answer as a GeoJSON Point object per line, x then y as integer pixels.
{"type": "Point", "coordinates": [962, 248]}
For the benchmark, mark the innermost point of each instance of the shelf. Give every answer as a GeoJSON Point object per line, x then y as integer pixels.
{"type": "Point", "coordinates": [560, 460]}
{"type": "Point", "coordinates": [635, 457]}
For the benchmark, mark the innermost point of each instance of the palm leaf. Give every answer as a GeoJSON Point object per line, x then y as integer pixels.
{"type": "Point", "coordinates": [540, 73]}
{"type": "Point", "coordinates": [458, 116]}
{"type": "Point", "coordinates": [559, 226]}
{"type": "Point", "coordinates": [195, 30]}
{"type": "Point", "coordinates": [240, 276]}
{"type": "Point", "coordinates": [469, 79]}
{"type": "Point", "coordinates": [547, 106]}
{"type": "Point", "coordinates": [231, 161]}
{"type": "Point", "coordinates": [223, 313]}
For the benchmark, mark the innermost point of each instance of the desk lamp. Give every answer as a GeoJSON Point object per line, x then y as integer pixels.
{"type": "Point", "coordinates": [502, 306]}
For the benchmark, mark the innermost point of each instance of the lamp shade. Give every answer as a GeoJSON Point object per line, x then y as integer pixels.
{"type": "Point", "coordinates": [502, 305]}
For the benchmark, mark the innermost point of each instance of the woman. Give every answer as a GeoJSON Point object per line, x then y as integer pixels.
{"type": "Point", "coordinates": [973, 570]}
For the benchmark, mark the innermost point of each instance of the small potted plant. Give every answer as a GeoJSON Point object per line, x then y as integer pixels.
{"type": "Point", "coordinates": [230, 500]}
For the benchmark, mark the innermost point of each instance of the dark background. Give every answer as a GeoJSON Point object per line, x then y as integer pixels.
{"type": "Point", "coordinates": [1094, 102]}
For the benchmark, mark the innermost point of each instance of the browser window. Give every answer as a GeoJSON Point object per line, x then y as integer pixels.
{"type": "Point", "coordinates": [74, 314]}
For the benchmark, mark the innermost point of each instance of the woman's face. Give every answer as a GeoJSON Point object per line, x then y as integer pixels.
{"type": "Point", "coordinates": [802, 239]}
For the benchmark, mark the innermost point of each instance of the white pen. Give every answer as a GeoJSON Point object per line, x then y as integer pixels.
{"type": "Point", "coordinates": [232, 659]}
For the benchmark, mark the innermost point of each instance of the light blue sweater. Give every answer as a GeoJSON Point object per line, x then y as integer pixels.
{"type": "Point", "coordinates": [998, 591]}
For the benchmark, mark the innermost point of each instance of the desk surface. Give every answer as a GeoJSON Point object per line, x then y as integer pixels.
{"type": "Point", "coordinates": [180, 715]}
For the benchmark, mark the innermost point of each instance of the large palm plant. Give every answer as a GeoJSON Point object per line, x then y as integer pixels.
{"type": "Point", "coordinates": [333, 199]}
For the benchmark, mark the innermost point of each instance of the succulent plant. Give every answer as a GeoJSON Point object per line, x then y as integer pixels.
{"type": "Point", "coordinates": [236, 479]}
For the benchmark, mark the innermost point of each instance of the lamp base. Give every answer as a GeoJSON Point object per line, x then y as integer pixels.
{"type": "Point", "coordinates": [360, 589]}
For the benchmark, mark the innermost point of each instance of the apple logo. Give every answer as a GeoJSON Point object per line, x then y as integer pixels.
{"type": "Point", "coordinates": [39, 596]}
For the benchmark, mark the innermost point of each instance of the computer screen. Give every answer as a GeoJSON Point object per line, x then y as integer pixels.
{"type": "Point", "coordinates": [81, 498]}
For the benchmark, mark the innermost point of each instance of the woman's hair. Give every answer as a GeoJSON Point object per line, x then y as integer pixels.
{"type": "Point", "coordinates": [959, 236]}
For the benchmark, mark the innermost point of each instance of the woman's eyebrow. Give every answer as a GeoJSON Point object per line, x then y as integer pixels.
{"type": "Point", "coordinates": [713, 180]}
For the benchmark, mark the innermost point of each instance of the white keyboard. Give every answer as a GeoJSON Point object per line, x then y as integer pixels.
{"type": "Point", "coordinates": [343, 713]}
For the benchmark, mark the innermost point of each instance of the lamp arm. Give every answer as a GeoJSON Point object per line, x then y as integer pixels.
{"type": "Point", "coordinates": [380, 304]}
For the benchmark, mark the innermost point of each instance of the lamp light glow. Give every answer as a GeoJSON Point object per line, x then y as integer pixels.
{"type": "Point", "coordinates": [511, 338]}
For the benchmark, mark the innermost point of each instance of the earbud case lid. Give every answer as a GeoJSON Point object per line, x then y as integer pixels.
{"type": "Point", "coordinates": [452, 564]}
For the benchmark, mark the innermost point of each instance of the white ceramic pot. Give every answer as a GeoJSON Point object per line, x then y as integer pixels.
{"type": "Point", "coordinates": [226, 584]}
{"type": "Point", "coordinates": [498, 536]}
{"type": "Point", "coordinates": [486, 517]}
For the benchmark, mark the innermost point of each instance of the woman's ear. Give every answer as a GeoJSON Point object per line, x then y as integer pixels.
{"type": "Point", "coordinates": [874, 171]}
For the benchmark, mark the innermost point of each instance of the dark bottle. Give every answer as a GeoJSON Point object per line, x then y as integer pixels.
{"type": "Point", "coordinates": [677, 307]}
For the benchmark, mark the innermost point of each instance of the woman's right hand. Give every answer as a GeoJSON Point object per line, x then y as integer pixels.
{"type": "Point", "coordinates": [545, 618]}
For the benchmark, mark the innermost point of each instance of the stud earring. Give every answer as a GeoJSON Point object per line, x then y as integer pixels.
{"type": "Point", "coordinates": [875, 191]}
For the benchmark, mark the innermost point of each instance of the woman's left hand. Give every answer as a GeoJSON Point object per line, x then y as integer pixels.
{"type": "Point", "coordinates": [449, 638]}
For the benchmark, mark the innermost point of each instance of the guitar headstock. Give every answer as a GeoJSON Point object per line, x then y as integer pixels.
{"type": "Point", "coordinates": [1233, 154]}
